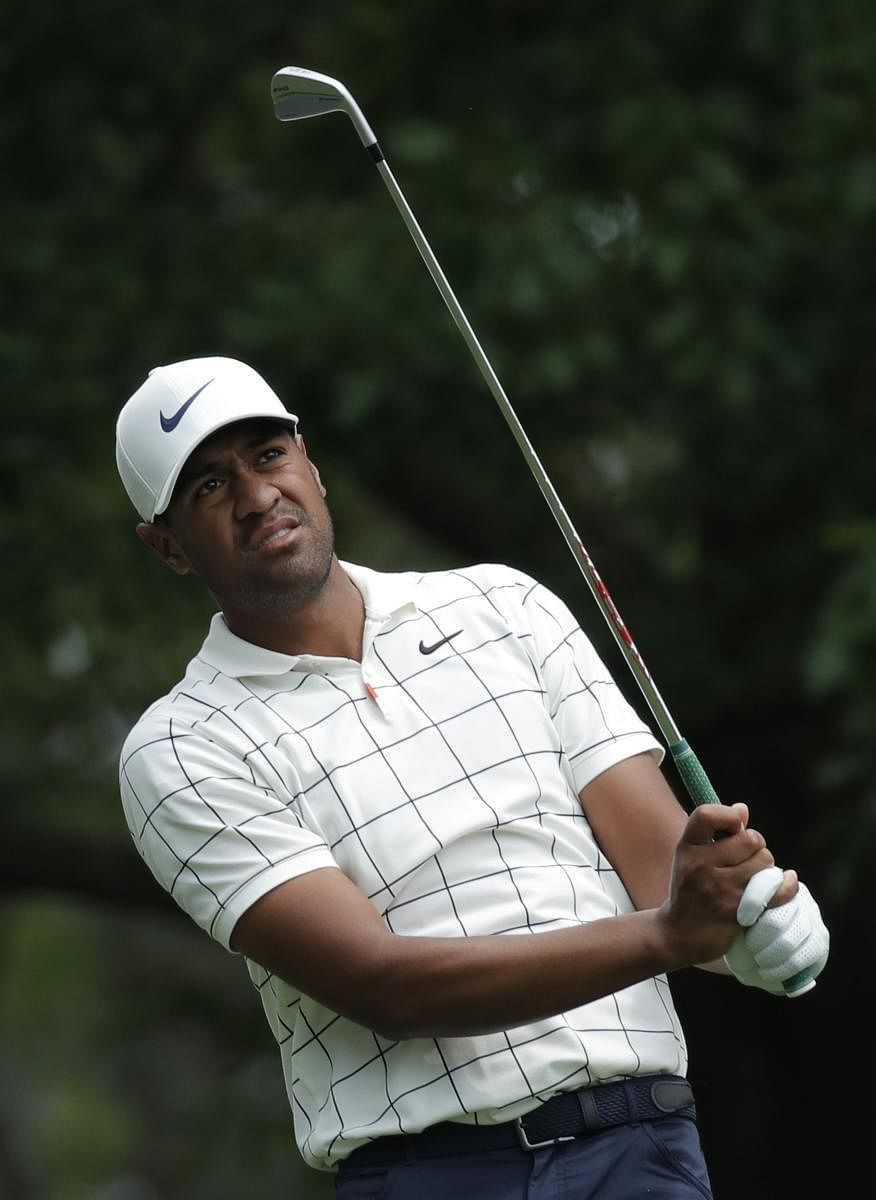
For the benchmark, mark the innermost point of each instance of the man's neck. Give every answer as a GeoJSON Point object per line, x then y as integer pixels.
{"type": "Point", "coordinates": [330, 625]}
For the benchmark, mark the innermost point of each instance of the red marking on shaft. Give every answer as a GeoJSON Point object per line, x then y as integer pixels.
{"type": "Point", "coordinates": [371, 692]}
{"type": "Point", "coordinates": [612, 610]}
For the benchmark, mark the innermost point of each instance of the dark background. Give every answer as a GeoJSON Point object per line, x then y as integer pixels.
{"type": "Point", "coordinates": [660, 220]}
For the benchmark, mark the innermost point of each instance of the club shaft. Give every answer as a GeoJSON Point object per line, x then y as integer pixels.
{"type": "Point", "coordinates": [290, 106]}
{"type": "Point", "coordinates": [600, 592]}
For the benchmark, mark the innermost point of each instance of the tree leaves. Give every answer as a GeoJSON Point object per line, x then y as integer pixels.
{"type": "Point", "coordinates": [658, 222]}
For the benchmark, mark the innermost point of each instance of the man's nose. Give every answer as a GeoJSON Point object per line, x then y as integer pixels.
{"type": "Point", "coordinates": [253, 493]}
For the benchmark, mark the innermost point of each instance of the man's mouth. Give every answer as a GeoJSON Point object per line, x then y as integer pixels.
{"type": "Point", "coordinates": [274, 536]}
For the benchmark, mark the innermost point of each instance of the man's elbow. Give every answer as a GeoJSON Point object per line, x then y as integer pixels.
{"type": "Point", "coordinates": [379, 990]}
{"type": "Point", "coordinates": [392, 1009]}
{"type": "Point", "coordinates": [395, 1027]}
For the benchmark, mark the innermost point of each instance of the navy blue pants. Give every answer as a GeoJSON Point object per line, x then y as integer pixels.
{"type": "Point", "coordinates": [649, 1160]}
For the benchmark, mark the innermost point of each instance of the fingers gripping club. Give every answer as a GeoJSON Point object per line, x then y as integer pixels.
{"type": "Point", "coordinates": [759, 890]}
{"type": "Point", "coordinates": [800, 919]}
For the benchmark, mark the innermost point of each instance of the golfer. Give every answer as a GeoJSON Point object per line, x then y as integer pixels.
{"type": "Point", "coordinates": [420, 808]}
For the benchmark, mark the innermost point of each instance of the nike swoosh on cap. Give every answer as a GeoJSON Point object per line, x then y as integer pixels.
{"type": "Point", "coordinates": [168, 424]}
{"type": "Point", "coordinates": [424, 649]}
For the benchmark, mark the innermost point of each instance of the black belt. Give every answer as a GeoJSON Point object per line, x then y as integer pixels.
{"type": "Point", "coordinates": [563, 1118]}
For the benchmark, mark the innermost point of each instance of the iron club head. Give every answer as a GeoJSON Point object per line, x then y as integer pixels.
{"type": "Point", "coordinates": [298, 93]}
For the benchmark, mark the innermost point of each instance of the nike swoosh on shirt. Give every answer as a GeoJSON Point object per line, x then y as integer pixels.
{"type": "Point", "coordinates": [424, 649]}
{"type": "Point", "coordinates": [168, 424]}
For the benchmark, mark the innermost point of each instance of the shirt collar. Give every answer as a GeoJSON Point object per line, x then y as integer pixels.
{"type": "Point", "coordinates": [385, 596]}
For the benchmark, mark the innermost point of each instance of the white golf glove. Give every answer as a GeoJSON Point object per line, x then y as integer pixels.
{"type": "Point", "coordinates": [778, 942]}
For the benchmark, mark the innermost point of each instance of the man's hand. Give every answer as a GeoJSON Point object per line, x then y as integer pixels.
{"type": "Point", "coordinates": [714, 861]}
{"type": "Point", "coordinates": [781, 942]}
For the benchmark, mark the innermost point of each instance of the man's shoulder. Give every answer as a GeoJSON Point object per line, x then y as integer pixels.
{"type": "Point", "coordinates": [495, 584]}
{"type": "Point", "coordinates": [154, 722]}
{"type": "Point", "coordinates": [182, 707]}
{"type": "Point", "coordinates": [486, 578]}
{"type": "Point", "coordinates": [489, 592]}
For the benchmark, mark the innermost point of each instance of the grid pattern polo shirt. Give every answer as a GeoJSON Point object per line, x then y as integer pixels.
{"type": "Point", "coordinates": [441, 774]}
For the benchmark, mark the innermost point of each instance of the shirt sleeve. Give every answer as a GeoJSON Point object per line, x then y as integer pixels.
{"type": "Point", "coordinates": [598, 727]}
{"type": "Point", "coordinates": [212, 835]}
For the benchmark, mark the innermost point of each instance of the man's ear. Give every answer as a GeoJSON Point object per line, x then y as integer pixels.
{"type": "Point", "coordinates": [159, 538]}
{"type": "Point", "coordinates": [299, 440]}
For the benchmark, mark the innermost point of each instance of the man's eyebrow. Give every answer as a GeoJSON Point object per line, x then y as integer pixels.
{"type": "Point", "coordinates": [197, 470]}
{"type": "Point", "coordinates": [268, 434]}
{"type": "Point", "coordinates": [193, 471]}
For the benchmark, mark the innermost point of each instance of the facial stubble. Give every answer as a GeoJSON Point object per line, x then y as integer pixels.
{"type": "Point", "coordinates": [296, 579]}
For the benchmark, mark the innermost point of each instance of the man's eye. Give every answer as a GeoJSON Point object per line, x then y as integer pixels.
{"type": "Point", "coordinates": [206, 487]}
{"type": "Point", "coordinates": [269, 453]}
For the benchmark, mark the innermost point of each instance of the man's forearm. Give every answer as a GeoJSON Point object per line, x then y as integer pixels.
{"type": "Point", "coordinates": [455, 987]}
{"type": "Point", "coordinates": [322, 935]}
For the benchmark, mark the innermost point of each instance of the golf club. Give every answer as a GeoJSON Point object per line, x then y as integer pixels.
{"type": "Point", "coordinates": [298, 93]}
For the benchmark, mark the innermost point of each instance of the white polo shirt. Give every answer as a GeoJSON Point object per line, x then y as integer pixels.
{"type": "Point", "coordinates": [441, 774]}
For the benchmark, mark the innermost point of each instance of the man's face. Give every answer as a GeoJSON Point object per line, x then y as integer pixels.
{"type": "Point", "coordinates": [248, 516]}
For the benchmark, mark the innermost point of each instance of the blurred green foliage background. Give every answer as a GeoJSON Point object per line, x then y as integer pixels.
{"type": "Point", "coordinates": [660, 221]}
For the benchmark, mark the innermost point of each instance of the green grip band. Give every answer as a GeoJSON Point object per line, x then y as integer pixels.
{"type": "Point", "coordinates": [701, 791]}
{"type": "Point", "coordinates": [798, 984]}
{"type": "Point", "coordinates": [692, 774]}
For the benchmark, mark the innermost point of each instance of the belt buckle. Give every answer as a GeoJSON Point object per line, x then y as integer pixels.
{"type": "Point", "coordinates": [526, 1144]}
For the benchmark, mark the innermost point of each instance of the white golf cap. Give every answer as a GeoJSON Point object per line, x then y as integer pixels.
{"type": "Point", "coordinates": [173, 411]}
